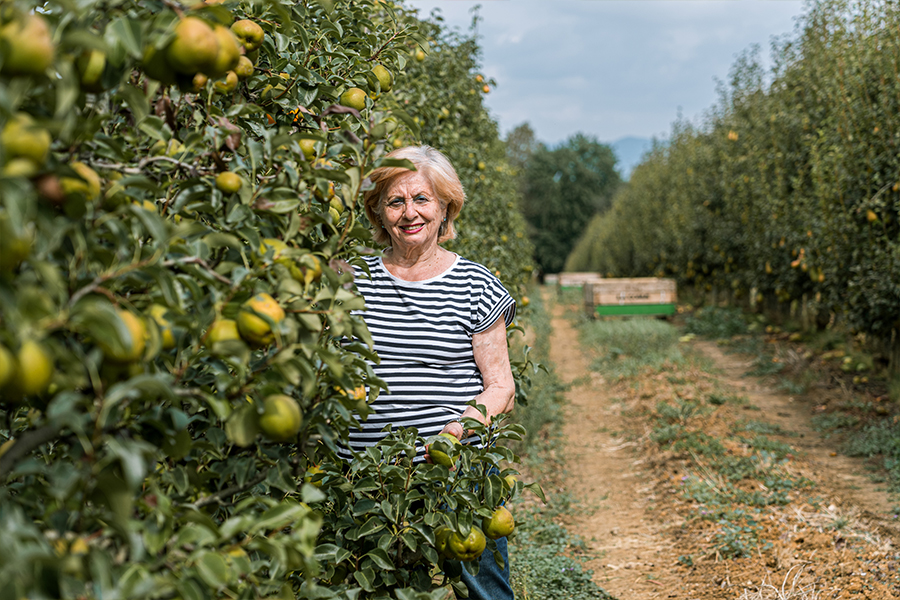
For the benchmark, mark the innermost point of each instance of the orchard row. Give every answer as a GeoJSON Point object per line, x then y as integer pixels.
{"type": "Point", "coordinates": [789, 191]}
{"type": "Point", "coordinates": [180, 207]}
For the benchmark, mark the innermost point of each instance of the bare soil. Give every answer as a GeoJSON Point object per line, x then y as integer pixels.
{"type": "Point", "coordinates": [836, 539]}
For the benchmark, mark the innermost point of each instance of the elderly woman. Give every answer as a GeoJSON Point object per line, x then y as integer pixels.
{"type": "Point", "coordinates": [438, 321]}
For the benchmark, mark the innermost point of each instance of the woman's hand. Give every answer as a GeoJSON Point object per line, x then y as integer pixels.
{"type": "Point", "coordinates": [456, 429]}
{"type": "Point", "coordinates": [447, 432]}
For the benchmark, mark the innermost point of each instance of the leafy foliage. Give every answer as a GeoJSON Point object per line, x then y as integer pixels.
{"type": "Point", "coordinates": [150, 309]}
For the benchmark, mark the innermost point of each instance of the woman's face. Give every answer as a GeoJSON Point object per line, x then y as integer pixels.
{"type": "Point", "coordinates": [411, 212]}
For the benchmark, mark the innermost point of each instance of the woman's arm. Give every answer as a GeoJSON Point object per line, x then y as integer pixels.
{"type": "Point", "coordinates": [492, 358]}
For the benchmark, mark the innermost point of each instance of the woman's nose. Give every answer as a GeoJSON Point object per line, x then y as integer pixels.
{"type": "Point", "coordinates": [409, 210]}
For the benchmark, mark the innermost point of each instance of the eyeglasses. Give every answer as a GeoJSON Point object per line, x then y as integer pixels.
{"type": "Point", "coordinates": [399, 203]}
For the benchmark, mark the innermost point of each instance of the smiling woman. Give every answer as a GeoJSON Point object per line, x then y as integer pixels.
{"type": "Point", "coordinates": [438, 324]}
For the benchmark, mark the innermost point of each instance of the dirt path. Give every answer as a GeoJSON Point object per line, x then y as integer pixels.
{"type": "Point", "coordinates": [844, 477]}
{"type": "Point", "coordinates": [605, 477]}
{"type": "Point", "coordinates": [633, 522]}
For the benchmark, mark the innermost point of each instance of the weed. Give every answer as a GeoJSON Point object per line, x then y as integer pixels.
{"type": "Point", "coordinates": [881, 438]}
{"type": "Point", "coordinates": [542, 415]}
{"type": "Point", "coordinates": [826, 340]}
{"type": "Point", "coordinates": [570, 296]}
{"type": "Point", "coordinates": [792, 387]}
{"type": "Point", "coordinates": [541, 567]}
{"type": "Point", "coordinates": [763, 444]}
{"type": "Point", "coordinates": [840, 523]}
{"type": "Point", "coordinates": [715, 322]}
{"type": "Point", "coordinates": [894, 388]}
{"type": "Point", "coordinates": [665, 435]}
{"type": "Point", "coordinates": [625, 348]}
{"type": "Point", "coordinates": [729, 484]}
{"type": "Point", "coordinates": [681, 411]}
{"type": "Point", "coordinates": [686, 560]}
{"type": "Point", "coordinates": [736, 468]}
{"type": "Point", "coordinates": [766, 364]}
{"type": "Point", "coordinates": [747, 344]}
{"type": "Point", "coordinates": [760, 427]}
{"type": "Point", "coordinates": [832, 422]}
{"type": "Point", "coordinates": [720, 399]}
{"type": "Point", "coordinates": [699, 443]}
{"type": "Point", "coordinates": [737, 536]}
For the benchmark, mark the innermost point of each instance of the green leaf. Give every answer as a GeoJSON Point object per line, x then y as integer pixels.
{"type": "Point", "coordinates": [367, 484]}
{"type": "Point", "coordinates": [213, 569]}
{"type": "Point", "coordinates": [280, 516]}
{"type": "Point", "coordinates": [67, 90]}
{"type": "Point", "coordinates": [493, 488]}
{"type": "Point", "coordinates": [410, 540]}
{"type": "Point", "coordinates": [366, 579]}
{"type": "Point", "coordinates": [127, 33]}
{"type": "Point", "coordinates": [135, 100]}
{"type": "Point", "coordinates": [152, 221]}
{"type": "Point", "coordinates": [538, 491]}
{"type": "Point", "coordinates": [189, 589]}
{"type": "Point", "coordinates": [242, 427]}
{"type": "Point", "coordinates": [373, 525]}
{"type": "Point", "coordinates": [381, 559]}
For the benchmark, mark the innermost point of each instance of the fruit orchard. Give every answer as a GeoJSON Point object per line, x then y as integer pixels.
{"type": "Point", "coordinates": [788, 192]}
{"type": "Point", "coordinates": [180, 190]}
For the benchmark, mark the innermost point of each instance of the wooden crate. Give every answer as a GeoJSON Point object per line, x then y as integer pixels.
{"type": "Point", "coordinates": [631, 296]}
{"type": "Point", "coordinates": [577, 280]}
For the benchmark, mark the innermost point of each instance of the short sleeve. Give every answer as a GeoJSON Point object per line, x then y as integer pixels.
{"type": "Point", "coordinates": [493, 302]}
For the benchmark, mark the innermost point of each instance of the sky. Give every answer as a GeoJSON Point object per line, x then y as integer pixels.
{"type": "Point", "coordinates": [612, 68]}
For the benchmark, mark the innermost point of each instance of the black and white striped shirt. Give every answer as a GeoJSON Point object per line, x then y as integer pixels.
{"type": "Point", "coordinates": [422, 331]}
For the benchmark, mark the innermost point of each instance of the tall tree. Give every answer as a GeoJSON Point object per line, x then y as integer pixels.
{"type": "Point", "coordinates": [521, 143]}
{"type": "Point", "coordinates": [562, 189]}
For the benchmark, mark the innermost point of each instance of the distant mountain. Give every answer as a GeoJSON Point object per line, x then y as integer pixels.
{"type": "Point", "coordinates": [629, 151]}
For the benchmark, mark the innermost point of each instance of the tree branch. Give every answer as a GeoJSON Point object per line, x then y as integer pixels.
{"type": "Point", "coordinates": [229, 491]}
{"type": "Point", "coordinates": [25, 444]}
{"type": "Point", "coordinates": [196, 260]}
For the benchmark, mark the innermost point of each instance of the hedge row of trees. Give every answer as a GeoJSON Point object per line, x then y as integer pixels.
{"type": "Point", "coordinates": [789, 188]}
{"type": "Point", "coordinates": [176, 230]}
{"type": "Point", "coordinates": [561, 188]}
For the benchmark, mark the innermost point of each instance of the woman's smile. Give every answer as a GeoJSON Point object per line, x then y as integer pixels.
{"type": "Point", "coordinates": [414, 228]}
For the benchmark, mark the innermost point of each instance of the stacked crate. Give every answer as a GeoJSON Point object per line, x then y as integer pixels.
{"type": "Point", "coordinates": [651, 296]}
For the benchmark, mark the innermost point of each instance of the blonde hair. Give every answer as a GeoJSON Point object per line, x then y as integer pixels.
{"type": "Point", "coordinates": [436, 168]}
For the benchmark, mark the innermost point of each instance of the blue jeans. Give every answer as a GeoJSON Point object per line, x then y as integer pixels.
{"type": "Point", "coordinates": [492, 582]}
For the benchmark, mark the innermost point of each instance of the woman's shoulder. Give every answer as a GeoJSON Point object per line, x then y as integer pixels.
{"type": "Point", "coordinates": [470, 268]}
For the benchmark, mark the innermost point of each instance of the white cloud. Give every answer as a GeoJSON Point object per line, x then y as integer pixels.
{"type": "Point", "coordinates": [611, 68]}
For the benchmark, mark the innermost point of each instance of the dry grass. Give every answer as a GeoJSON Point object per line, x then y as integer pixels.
{"type": "Point", "coordinates": [847, 522]}
{"type": "Point", "coordinates": [791, 588]}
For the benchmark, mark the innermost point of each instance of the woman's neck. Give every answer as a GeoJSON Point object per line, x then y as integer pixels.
{"type": "Point", "coordinates": [414, 264]}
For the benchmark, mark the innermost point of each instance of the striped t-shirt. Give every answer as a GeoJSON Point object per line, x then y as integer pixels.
{"type": "Point", "coordinates": [422, 331]}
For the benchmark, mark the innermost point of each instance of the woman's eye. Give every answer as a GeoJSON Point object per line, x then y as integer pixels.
{"type": "Point", "coordinates": [395, 203]}
{"type": "Point", "coordinates": [422, 200]}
